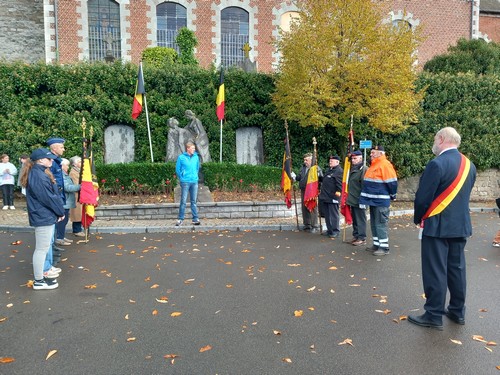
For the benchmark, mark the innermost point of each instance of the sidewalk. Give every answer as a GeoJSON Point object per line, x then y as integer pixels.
{"type": "Point", "coordinates": [17, 220]}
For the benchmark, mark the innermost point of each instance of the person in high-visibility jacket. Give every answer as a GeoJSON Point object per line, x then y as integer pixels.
{"type": "Point", "coordinates": [380, 186]}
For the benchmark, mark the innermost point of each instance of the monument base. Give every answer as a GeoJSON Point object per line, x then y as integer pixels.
{"type": "Point", "coordinates": [204, 195]}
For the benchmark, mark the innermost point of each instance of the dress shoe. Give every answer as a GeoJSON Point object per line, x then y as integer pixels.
{"type": "Point", "coordinates": [455, 318]}
{"type": "Point", "coordinates": [381, 252]}
{"type": "Point", "coordinates": [358, 243]}
{"type": "Point", "coordinates": [422, 321]}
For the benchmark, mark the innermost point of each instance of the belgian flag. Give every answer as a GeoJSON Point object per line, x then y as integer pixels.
{"type": "Point", "coordinates": [286, 174]}
{"type": "Point", "coordinates": [139, 92]}
{"type": "Point", "coordinates": [220, 97]}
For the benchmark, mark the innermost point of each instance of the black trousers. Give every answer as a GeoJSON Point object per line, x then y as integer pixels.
{"type": "Point", "coordinates": [358, 222]}
{"type": "Point", "coordinates": [8, 195]}
{"type": "Point", "coordinates": [332, 218]}
{"type": "Point", "coordinates": [443, 268]}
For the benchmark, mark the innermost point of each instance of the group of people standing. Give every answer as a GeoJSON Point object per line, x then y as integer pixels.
{"type": "Point", "coordinates": [50, 195]}
{"type": "Point", "coordinates": [372, 187]}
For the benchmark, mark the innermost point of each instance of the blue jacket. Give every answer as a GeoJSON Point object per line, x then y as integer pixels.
{"type": "Point", "coordinates": [42, 198]}
{"type": "Point", "coordinates": [70, 188]}
{"type": "Point", "coordinates": [187, 167]}
{"type": "Point", "coordinates": [57, 172]}
{"type": "Point", "coordinates": [454, 221]}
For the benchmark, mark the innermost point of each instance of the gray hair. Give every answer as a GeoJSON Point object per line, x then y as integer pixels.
{"type": "Point", "coordinates": [64, 161]}
{"type": "Point", "coordinates": [450, 135]}
{"type": "Point", "coordinates": [74, 159]}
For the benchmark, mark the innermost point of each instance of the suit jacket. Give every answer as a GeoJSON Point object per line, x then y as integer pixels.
{"type": "Point", "coordinates": [454, 221]}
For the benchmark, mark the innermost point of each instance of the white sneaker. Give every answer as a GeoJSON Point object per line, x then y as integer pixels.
{"type": "Point", "coordinates": [68, 240]}
{"type": "Point", "coordinates": [62, 243]}
{"type": "Point", "coordinates": [5, 207]}
{"type": "Point", "coordinates": [179, 223]}
{"type": "Point", "coordinates": [79, 234]}
{"type": "Point", "coordinates": [50, 274]}
{"type": "Point", "coordinates": [12, 207]}
{"type": "Point", "coordinates": [55, 269]}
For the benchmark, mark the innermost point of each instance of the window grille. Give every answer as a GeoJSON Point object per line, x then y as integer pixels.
{"type": "Point", "coordinates": [104, 30]}
{"type": "Point", "coordinates": [170, 17]}
{"type": "Point", "coordinates": [234, 35]}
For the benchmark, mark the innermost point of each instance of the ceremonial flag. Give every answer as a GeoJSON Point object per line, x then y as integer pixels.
{"type": "Point", "coordinates": [344, 208]}
{"type": "Point", "coordinates": [220, 97]}
{"type": "Point", "coordinates": [89, 188]}
{"type": "Point", "coordinates": [286, 174]}
{"type": "Point", "coordinates": [139, 92]}
{"type": "Point", "coordinates": [311, 193]}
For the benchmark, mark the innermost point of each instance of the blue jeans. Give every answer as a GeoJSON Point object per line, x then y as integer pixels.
{"type": "Point", "coordinates": [43, 241]}
{"type": "Point", "coordinates": [192, 189]}
{"type": "Point", "coordinates": [77, 226]}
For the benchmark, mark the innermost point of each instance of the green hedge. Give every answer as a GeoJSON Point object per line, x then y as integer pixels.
{"type": "Point", "coordinates": [39, 101]}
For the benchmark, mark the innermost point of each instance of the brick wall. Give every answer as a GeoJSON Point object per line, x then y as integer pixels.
{"type": "Point", "coordinates": [22, 30]}
{"type": "Point", "coordinates": [443, 23]}
{"type": "Point", "coordinates": [490, 25]}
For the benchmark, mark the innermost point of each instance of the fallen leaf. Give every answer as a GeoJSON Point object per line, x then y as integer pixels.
{"type": "Point", "coordinates": [126, 317]}
{"type": "Point", "coordinates": [154, 286]}
{"type": "Point", "coordinates": [130, 339]}
{"type": "Point", "coordinates": [6, 359]}
{"type": "Point", "coordinates": [155, 312]}
{"type": "Point", "coordinates": [489, 349]}
{"type": "Point", "coordinates": [478, 338]}
{"type": "Point", "coordinates": [93, 286]}
{"type": "Point", "coordinates": [333, 268]}
{"type": "Point", "coordinates": [491, 343]}
{"type": "Point", "coordinates": [458, 342]}
{"type": "Point", "coordinates": [229, 286]}
{"type": "Point", "coordinates": [287, 360]}
{"type": "Point", "coordinates": [3, 319]}
{"type": "Point", "coordinates": [354, 285]}
{"type": "Point", "coordinates": [176, 313]}
{"type": "Point", "coordinates": [276, 332]}
{"type": "Point", "coordinates": [310, 308]}
{"type": "Point", "coordinates": [205, 348]}
{"type": "Point", "coordinates": [188, 281]}
{"type": "Point", "coordinates": [51, 353]}
{"type": "Point", "coordinates": [311, 289]}
{"type": "Point", "coordinates": [497, 367]}
{"type": "Point", "coordinates": [403, 317]}
{"type": "Point", "coordinates": [10, 305]}
{"type": "Point", "coordinates": [169, 356]}
{"type": "Point", "coordinates": [162, 299]}
{"type": "Point", "coordinates": [483, 310]}
{"type": "Point", "coordinates": [346, 341]}
{"type": "Point", "coordinates": [294, 265]}
{"type": "Point", "coordinates": [131, 301]}
{"type": "Point", "coordinates": [298, 313]}
{"type": "Point", "coordinates": [119, 281]}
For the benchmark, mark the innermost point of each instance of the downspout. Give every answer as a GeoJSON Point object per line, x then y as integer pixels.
{"type": "Point", "coordinates": [56, 39]}
{"type": "Point", "coordinates": [474, 18]}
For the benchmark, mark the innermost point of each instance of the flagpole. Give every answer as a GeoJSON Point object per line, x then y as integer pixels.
{"type": "Point", "coordinates": [293, 187]}
{"type": "Point", "coordinates": [220, 151]}
{"type": "Point", "coordinates": [149, 129]}
{"type": "Point", "coordinates": [316, 198]}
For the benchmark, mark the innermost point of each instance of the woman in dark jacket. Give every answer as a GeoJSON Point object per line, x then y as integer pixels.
{"type": "Point", "coordinates": [45, 208]}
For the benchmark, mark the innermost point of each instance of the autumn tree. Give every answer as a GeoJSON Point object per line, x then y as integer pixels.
{"type": "Point", "coordinates": [340, 59]}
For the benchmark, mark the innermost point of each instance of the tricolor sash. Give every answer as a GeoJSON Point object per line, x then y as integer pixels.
{"type": "Point", "coordinates": [445, 198]}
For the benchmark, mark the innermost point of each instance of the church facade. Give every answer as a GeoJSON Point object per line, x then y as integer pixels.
{"type": "Point", "coordinates": [67, 31]}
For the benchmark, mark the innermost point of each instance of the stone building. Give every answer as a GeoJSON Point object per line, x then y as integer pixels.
{"type": "Point", "coordinates": [67, 31]}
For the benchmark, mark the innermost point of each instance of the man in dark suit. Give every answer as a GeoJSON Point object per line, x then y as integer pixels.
{"type": "Point", "coordinates": [442, 211]}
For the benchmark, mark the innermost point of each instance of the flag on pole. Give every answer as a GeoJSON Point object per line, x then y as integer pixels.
{"type": "Point", "coordinates": [286, 174]}
{"type": "Point", "coordinates": [311, 193]}
{"type": "Point", "coordinates": [139, 92]}
{"type": "Point", "coordinates": [89, 188]}
{"type": "Point", "coordinates": [344, 208]}
{"type": "Point", "coordinates": [220, 97]}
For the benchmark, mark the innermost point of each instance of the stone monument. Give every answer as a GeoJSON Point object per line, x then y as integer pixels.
{"type": "Point", "coordinates": [119, 144]}
{"type": "Point", "coordinates": [249, 146]}
{"type": "Point", "coordinates": [247, 65]}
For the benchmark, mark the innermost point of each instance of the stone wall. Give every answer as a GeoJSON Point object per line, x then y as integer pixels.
{"type": "Point", "coordinates": [22, 30]}
{"type": "Point", "coordinates": [486, 188]}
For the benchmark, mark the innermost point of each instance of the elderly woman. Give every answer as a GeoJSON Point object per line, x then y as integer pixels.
{"type": "Point", "coordinates": [7, 173]}
{"type": "Point", "coordinates": [45, 209]}
{"type": "Point", "coordinates": [75, 214]}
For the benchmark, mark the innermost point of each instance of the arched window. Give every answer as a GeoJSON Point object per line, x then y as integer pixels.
{"type": "Point", "coordinates": [287, 19]}
{"type": "Point", "coordinates": [170, 17]}
{"type": "Point", "coordinates": [234, 35]}
{"type": "Point", "coordinates": [104, 30]}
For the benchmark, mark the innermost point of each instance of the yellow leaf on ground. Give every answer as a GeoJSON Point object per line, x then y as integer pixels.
{"type": "Point", "coordinates": [491, 343]}
{"type": "Point", "coordinates": [458, 342]}
{"type": "Point", "coordinates": [162, 299]}
{"type": "Point", "coordinates": [298, 313]}
{"type": "Point", "coordinates": [346, 341]}
{"type": "Point", "coordinates": [483, 310]}
{"type": "Point", "coordinates": [287, 360]}
{"type": "Point", "coordinates": [205, 348]}
{"type": "Point", "coordinates": [3, 319]}
{"type": "Point", "coordinates": [130, 339]}
{"type": "Point", "coordinates": [276, 332]}
{"type": "Point", "coordinates": [154, 286]}
{"type": "Point", "coordinates": [229, 285]}
{"type": "Point", "coordinates": [51, 353]}
{"type": "Point", "coordinates": [293, 265]}
{"type": "Point", "coordinates": [489, 349]}
{"type": "Point", "coordinates": [92, 286]}
{"type": "Point", "coordinates": [478, 338]}
{"type": "Point", "coordinates": [333, 268]}
{"type": "Point", "coordinates": [311, 289]}
{"type": "Point", "coordinates": [6, 359]}
{"type": "Point", "coordinates": [176, 313]}
{"type": "Point", "coordinates": [119, 281]}
{"type": "Point", "coordinates": [155, 312]}
{"type": "Point", "coordinates": [354, 285]}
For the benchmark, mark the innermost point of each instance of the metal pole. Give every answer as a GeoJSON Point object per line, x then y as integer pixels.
{"type": "Point", "coordinates": [220, 151]}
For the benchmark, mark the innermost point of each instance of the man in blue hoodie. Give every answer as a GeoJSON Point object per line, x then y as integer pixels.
{"type": "Point", "coordinates": [187, 168]}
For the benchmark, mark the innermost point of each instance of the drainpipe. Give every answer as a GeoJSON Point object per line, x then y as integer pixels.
{"type": "Point", "coordinates": [474, 26]}
{"type": "Point", "coordinates": [56, 31]}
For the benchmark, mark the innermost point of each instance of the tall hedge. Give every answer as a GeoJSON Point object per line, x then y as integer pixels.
{"type": "Point", "coordinates": [39, 101]}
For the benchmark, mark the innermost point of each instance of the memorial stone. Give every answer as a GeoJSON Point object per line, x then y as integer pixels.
{"type": "Point", "coordinates": [119, 144]}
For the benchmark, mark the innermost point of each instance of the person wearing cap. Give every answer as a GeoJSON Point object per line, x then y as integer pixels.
{"type": "Point", "coordinates": [7, 173]}
{"type": "Point", "coordinates": [45, 209]}
{"type": "Point", "coordinates": [329, 196]}
{"type": "Point", "coordinates": [56, 146]}
{"type": "Point", "coordinates": [380, 186]}
{"type": "Point", "coordinates": [309, 219]}
{"type": "Point", "coordinates": [356, 175]}
{"type": "Point", "coordinates": [441, 210]}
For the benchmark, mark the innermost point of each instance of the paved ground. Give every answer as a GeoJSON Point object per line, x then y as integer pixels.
{"type": "Point", "coordinates": [235, 294]}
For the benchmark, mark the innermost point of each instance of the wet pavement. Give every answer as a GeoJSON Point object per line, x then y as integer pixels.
{"type": "Point", "coordinates": [223, 302]}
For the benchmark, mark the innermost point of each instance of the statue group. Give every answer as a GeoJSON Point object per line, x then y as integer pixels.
{"type": "Point", "coordinates": [192, 132]}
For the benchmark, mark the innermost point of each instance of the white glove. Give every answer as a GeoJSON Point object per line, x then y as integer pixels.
{"type": "Point", "coordinates": [293, 175]}
{"type": "Point", "coordinates": [362, 206]}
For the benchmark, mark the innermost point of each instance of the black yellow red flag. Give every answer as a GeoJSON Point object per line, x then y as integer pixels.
{"type": "Point", "coordinates": [344, 208]}
{"type": "Point", "coordinates": [220, 101]}
{"type": "Point", "coordinates": [286, 174]}
{"type": "Point", "coordinates": [139, 92]}
{"type": "Point", "coordinates": [89, 188]}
